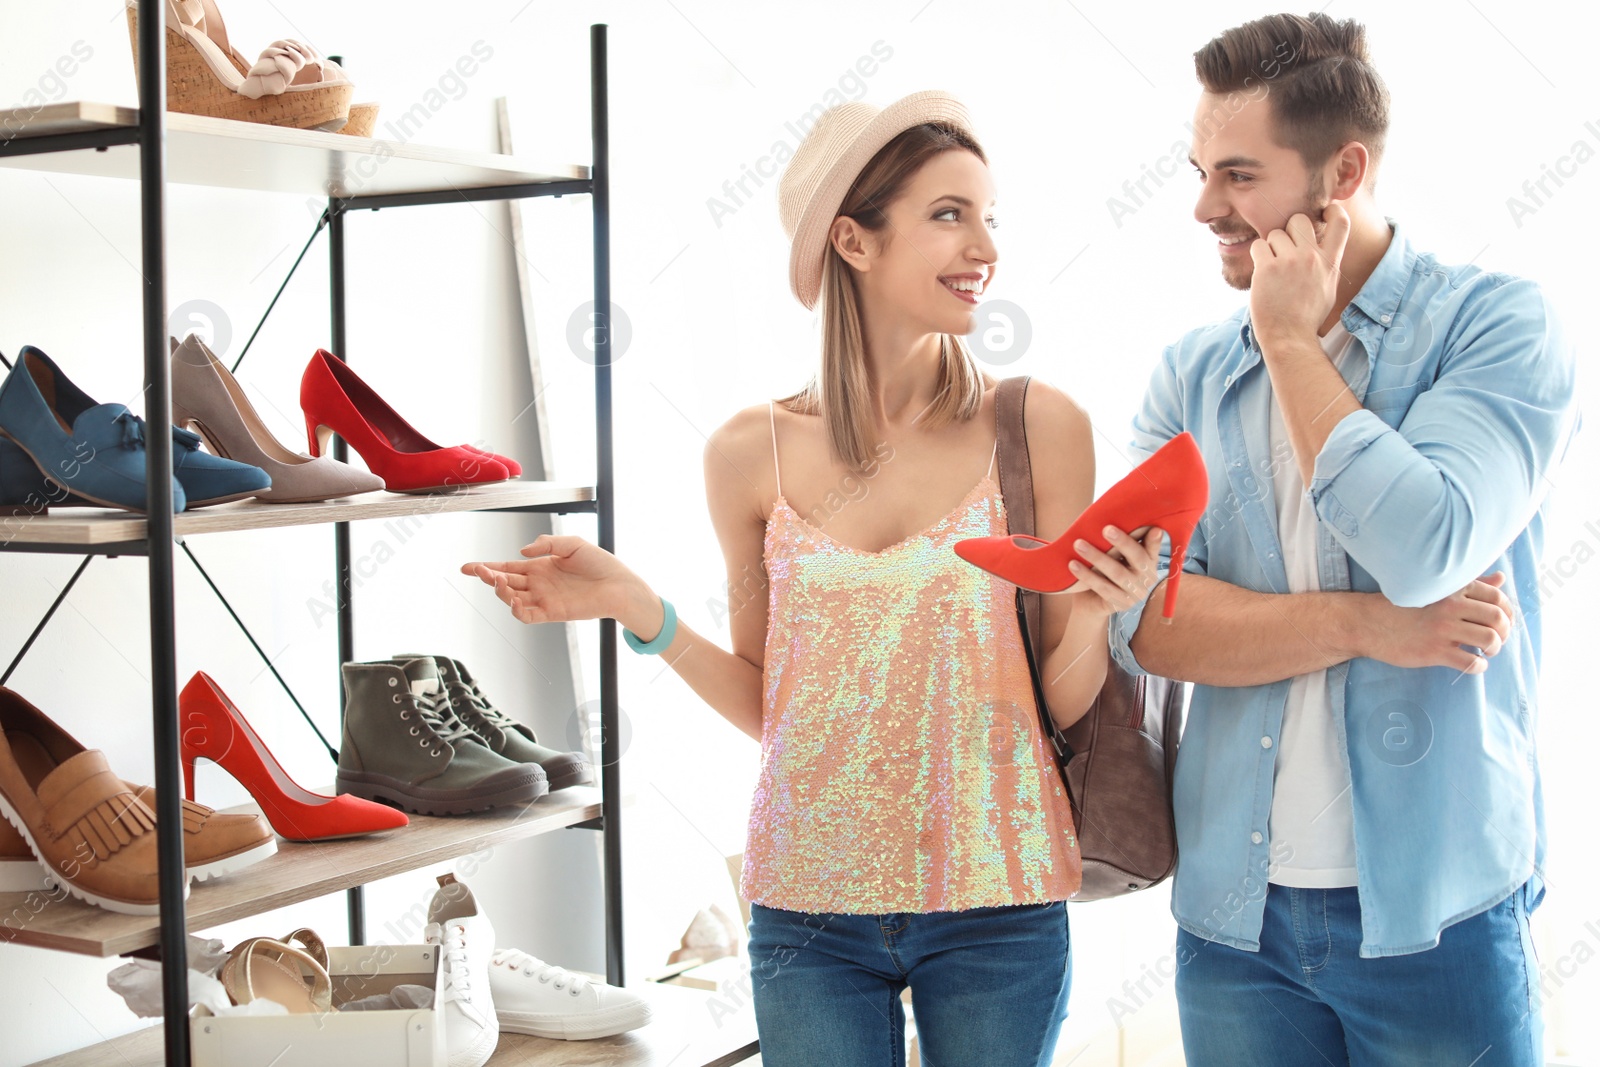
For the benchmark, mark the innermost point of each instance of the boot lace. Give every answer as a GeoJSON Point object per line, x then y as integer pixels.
{"type": "Point", "coordinates": [436, 714]}
{"type": "Point", "coordinates": [473, 698]}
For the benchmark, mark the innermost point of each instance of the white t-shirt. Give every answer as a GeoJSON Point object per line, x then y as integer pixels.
{"type": "Point", "coordinates": [1312, 822]}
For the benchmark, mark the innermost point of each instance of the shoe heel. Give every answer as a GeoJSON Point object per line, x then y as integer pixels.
{"type": "Point", "coordinates": [191, 84]}
{"type": "Point", "coordinates": [184, 420]}
{"type": "Point", "coordinates": [201, 736]}
{"type": "Point", "coordinates": [1180, 529]}
{"type": "Point", "coordinates": [1174, 574]}
{"type": "Point", "coordinates": [319, 438]}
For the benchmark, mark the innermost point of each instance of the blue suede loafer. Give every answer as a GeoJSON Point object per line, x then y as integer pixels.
{"type": "Point", "coordinates": [96, 451]}
{"type": "Point", "coordinates": [23, 490]}
{"type": "Point", "coordinates": [208, 479]}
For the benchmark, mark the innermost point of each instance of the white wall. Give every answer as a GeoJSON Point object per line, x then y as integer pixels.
{"type": "Point", "coordinates": [1071, 102]}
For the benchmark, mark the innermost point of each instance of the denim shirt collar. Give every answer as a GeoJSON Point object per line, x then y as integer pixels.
{"type": "Point", "coordinates": [1373, 309]}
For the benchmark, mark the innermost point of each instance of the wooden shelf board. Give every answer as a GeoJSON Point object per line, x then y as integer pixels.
{"type": "Point", "coordinates": [298, 872]}
{"type": "Point", "coordinates": [102, 526]}
{"type": "Point", "coordinates": [682, 1032]}
{"type": "Point", "coordinates": [142, 1048]}
{"type": "Point", "coordinates": [251, 155]}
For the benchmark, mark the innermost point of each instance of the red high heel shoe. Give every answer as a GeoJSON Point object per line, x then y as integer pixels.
{"type": "Point", "coordinates": [215, 730]}
{"type": "Point", "coordinates": [336, 401]}
{"type": "Point", "coordinates": [512, 466]}
{"type": "Point", "coordinates": [1168, 490]}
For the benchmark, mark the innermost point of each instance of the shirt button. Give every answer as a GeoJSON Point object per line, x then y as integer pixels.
{"type": "Point", "coordinates": [1255, 838]}
{"type": "Point", "coordinates": [1266, 742]}
{"type": "Point", "coordinates": [1384, 318]}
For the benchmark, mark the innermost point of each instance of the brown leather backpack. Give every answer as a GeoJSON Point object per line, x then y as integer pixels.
{"type": "Point", "coordinates": [1117, 760]}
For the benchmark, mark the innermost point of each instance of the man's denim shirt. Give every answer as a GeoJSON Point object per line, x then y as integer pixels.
{"type": "Point", "coordinates": [1469, 407]}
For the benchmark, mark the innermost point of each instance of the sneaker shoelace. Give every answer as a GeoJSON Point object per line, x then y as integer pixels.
{"type": "Point", "coordinates": [452, 940]}
{"type": "Point", "coordinates": [534, 967]}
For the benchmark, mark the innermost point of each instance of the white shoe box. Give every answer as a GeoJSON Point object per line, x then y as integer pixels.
{"type": "Point", "coordinates": [400, 1038]}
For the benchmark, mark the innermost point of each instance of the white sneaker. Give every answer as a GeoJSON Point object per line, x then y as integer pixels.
{"type": "Point", "coordinates": [466, 941]}
{"type": "Point", "coordinates": [541, 999]}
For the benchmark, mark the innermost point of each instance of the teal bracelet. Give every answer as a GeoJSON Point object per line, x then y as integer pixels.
{"type": "Point", "coordinates": [669, 630]}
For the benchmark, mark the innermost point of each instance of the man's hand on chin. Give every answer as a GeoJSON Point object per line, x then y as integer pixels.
{"type": "Point", "coordinates": [1296, 279]}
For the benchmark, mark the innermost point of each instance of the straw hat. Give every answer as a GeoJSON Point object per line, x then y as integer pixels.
{"type": "Point", "coordinates": [844, 140]}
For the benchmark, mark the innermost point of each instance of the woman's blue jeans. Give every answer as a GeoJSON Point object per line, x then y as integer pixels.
{"type": "Point", "coordinates": [989, 986]}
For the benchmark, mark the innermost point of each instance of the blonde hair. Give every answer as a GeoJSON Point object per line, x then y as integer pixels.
{"type": "Point", "coordinates": [841, 392]}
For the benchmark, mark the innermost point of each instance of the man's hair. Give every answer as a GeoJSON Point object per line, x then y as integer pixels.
{"type": "Point", "coordinates": [1323, 87]}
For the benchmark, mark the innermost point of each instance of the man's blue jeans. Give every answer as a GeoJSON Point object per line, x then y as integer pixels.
{"type": "Point", "coordinates": [989, 986]}
{"type": "Point", "coordinates": [1308, 998]}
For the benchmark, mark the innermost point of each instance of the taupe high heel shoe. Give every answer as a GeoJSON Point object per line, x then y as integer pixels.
{"type": "Point", "coordinates": [290, 85]}
{"type": "Point", "coordinates": [208, 400]}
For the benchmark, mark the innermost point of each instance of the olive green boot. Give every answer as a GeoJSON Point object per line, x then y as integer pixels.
{"type": "Point", "coordinates": [506, 735]}
{"type": "Point", "coordinates": [404, 746]}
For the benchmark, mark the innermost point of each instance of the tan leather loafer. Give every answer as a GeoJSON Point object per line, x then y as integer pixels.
{"type": "Point", "coordinates": [83, 822]}
{"type": "Point", "coordinates": [214, 843]}
{"type": "Point", "coordinates": [20, 871]}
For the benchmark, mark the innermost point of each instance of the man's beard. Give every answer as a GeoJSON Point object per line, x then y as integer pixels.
{"type": "Point", "coordinates": [1239, 271]}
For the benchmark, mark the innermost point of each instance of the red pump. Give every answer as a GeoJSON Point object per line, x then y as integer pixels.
{"type": "Point", "coordinates": [336, 401]}
{"type": "Point", "coordinates": [1168, 490]}
{"type": "Point", "coordinates": [213, 729]}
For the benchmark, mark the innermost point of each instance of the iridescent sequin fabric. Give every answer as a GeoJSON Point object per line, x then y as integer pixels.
{"type": "Point", "coordinates": [903, 764]}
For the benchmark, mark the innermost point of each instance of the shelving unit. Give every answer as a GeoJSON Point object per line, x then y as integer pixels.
{"type": "Point", "coordinates": [157, 148]}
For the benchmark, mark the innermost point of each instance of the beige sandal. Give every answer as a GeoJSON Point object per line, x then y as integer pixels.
{"type": "Point", "coordinates": [290, 85]}
{"type": "Point", "coordinates": [363, 120]}
{"type": "Point", "coordinates": [263, 969]}
{"type": "Point", "coordinates": [315, 947]}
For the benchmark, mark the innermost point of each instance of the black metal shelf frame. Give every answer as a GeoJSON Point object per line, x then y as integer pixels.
{"type": "Point", "coordinates": [150, 136]}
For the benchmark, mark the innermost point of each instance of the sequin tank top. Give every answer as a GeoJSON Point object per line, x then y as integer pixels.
{"type": "Point", "coordinates": [903, 764]}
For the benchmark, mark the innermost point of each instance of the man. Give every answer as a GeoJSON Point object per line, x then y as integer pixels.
{"type": "Point", "coordinates": [1357, 793]}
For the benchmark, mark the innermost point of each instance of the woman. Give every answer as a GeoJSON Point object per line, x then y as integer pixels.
{"type": "Point", "coordinates": [908, 827]}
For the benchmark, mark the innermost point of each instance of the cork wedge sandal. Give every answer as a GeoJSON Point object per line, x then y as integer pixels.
{"type": "Point", "coordinates": [290, 85]}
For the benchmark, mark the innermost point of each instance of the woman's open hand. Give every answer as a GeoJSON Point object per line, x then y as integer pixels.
{"type": "Point", "coordinates": [560, 579]}
{"type": "Point", "coordinates": [1122, 578]}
